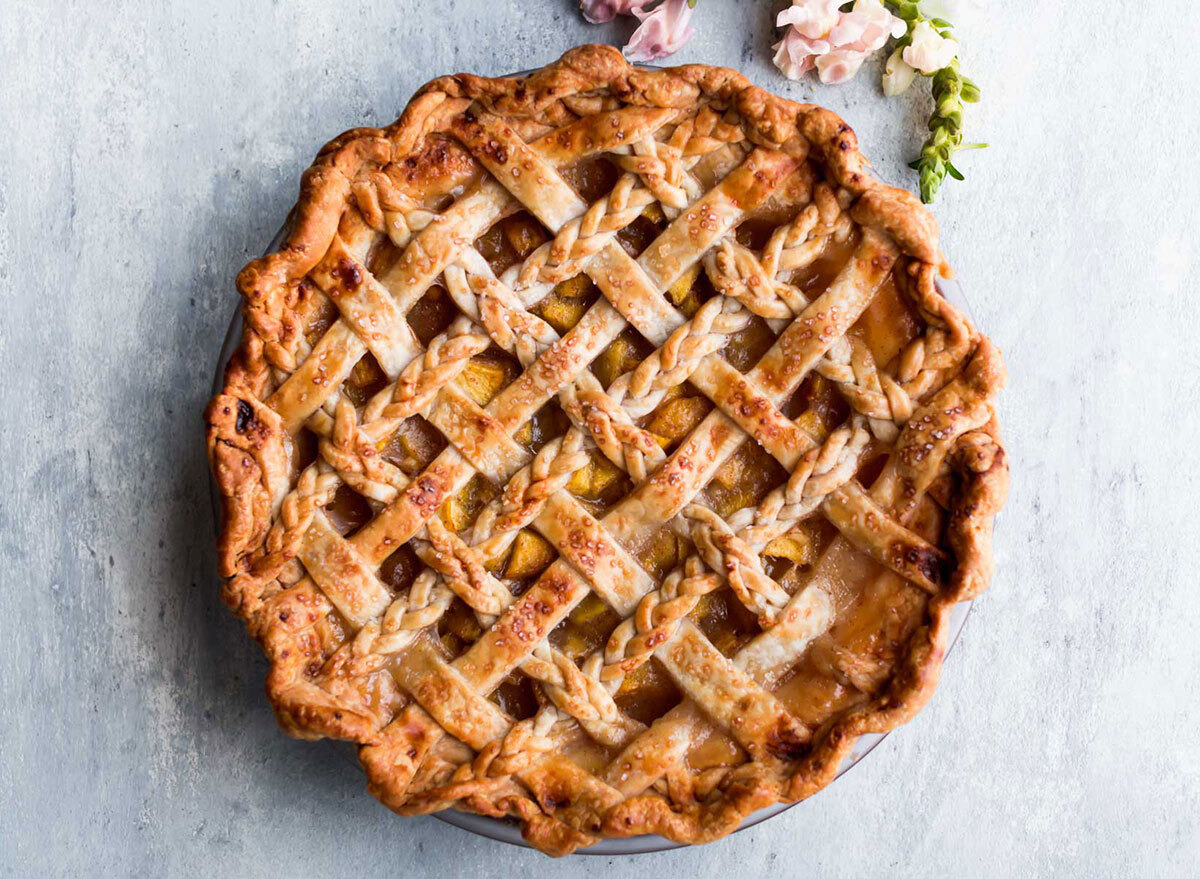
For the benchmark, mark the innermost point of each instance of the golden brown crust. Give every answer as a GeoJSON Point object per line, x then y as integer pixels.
{"type": "Point", "coordinates": [246, 448]}
{"type": "Point", "coordinates": [320, 685]}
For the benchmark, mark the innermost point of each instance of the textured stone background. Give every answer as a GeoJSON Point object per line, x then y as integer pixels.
{"type": "Point", "coordinates": [150, 148]}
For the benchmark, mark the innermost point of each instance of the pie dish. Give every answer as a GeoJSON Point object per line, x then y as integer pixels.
{"type": "Point", "coordinates": [599, 452]}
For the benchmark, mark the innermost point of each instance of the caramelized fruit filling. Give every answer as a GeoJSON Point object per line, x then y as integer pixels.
{"type": "Point", "coordinates": [458, 628]}
{"type": "Point", "coordinates": [592, 178]}
{"type": "Point", "coordinates": [747, 346]}
{"type": "Point", "coordinates": [816, 277]}
{"type": "Point", "coordinates": [566, 304]}
{"type": "Point", "coordinates": [814, 696]}
{"type": "Point", "coordinates": [348, 511]}
{"type": "Point", "coordinates": [510, 240]}
{"type": "Point", "coordinates": [862, 646]}
{"type": "Point", "coordinates": [547, 423]}
{"type": "Point", "coordinates": [400, 569]}
{"type": "Point", "coordinates": [817, 407]}
{"type": "Point", "coordinates": [647, 693]}
{"type": "Point", "coordinates": [661, 552]}
{"type": "Point", "coordinates": [431, 314]}
{"type": "Point", "coordinates": [586, 628]}
{"type": "Point", "coordinates": [583, 751]}
{"type": "Point", "coordinates": [690, 290]}
{"type": "Point", "coordinates": [889, 324]}
{"type": "Point", "coordinates": [626, 352]}
{"type": "Point", "coordinates": [680, 412]}
{"type": "Point", "coordinates": [366, 379]}
{"type": "Point", "coordinates": [460, 511]}
{"type": "Point", "coordinates": [599, 484]}
{"type": "Point", "coordinates": [725, 620]}
{"type": "Point", "coordinates": [529, 556]}
{"type": "Point", "coordinates": [413, 446]}
{"type": "Point", "coordinates": [638, 235]}
{"type": "Point", "coordinates": [486, 374]}
{"type": "Point", "coordinates": [516, 696]}
{"type": "Point", "coordinates": [743, 480]}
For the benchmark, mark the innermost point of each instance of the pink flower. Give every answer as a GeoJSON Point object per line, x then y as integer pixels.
{"type": "Point", "coordinates": [811, 18]}
{"type": "Point", "coordinates": [835, 43]}
{"type": "Point", "coordinates": [662, 31]}
{"type": "Point", "coordinates": [866, 27]}
{"type": "Point", "coordinates": [600, 11]}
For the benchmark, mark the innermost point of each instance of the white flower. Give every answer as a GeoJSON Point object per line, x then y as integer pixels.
{"type": "Point", "coordinates": [661, 32]}
{"type": "Point", "coordinates": [835, 43]}
{"type": "Point", "coordinates": [898, 74]}
{"type": "Point", "coordinates": [929, 51]}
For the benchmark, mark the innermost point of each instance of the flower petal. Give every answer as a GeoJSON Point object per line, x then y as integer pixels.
{"type": "Point", "coordinates": [795, 54]}
{"type": "Point", "coordinates": [834, 42]}
{"type": "Point", "coordinates": [867, 26]}
{"type": "Point", "coordinates": [839, 65]}
{"type": "Point", "coordinates": [898, 75]}
{"type": "Point", "coordinates": [811, 18]}
{"type": "Point", "coordinates": [662, 31]}
{"type": "Point", "coordinates": [600, 11]}
{"type": "Point", "coordinates": [929, 51]}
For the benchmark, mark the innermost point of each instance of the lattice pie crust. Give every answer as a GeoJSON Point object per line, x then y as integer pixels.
{"type": "Point", "coordinates": [600, 452]}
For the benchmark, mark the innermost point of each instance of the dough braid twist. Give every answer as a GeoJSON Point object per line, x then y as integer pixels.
{"type": "Point", "coordinates": [351, 447]}
{"type": "Point", "coordinates": [612, 429]}
{"type": "Point", "coordinates": [526, 494]}
{"type": "Point", "coordinates": [427, 600]}
{"type": "Point", "coordinates": [654, 622]}
{"type": "Point", "coordinates": [639, 391]}
{"type": "Point", "coordinates": [563, 257]}
{"type": "Point", "coordinates": [754, 280]}
{"type": "Point", "coordinates": [314, 489]}
{"type": "Point", "coordinates": [575, 692]}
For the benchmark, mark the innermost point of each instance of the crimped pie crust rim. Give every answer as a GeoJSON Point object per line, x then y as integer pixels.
{"type": "Point", "coordinates": [769, 119]}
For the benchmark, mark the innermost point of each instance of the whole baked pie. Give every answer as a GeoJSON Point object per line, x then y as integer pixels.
{"type": "Point", "coordinates": [600, 452]}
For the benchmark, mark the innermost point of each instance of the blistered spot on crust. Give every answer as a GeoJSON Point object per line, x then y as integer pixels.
{"type": "Point", "coordinates": [348, 275]}
{"type": "Point", "coordinates": [787, 741]}
{"type": "Point", "coordinates": [925, 560]}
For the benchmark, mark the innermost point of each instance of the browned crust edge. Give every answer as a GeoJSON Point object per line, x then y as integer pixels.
{"type": "Point", "coordinates": [247, 446]}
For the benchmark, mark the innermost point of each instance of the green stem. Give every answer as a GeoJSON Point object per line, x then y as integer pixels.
{"type": "Point", "coordinates": [951, 90]}
{"type": "Point", "coordinates": [945, 133]}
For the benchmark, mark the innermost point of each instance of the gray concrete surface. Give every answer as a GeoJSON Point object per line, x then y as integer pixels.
{"type": "Point", "coordinates": [147, 149]}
